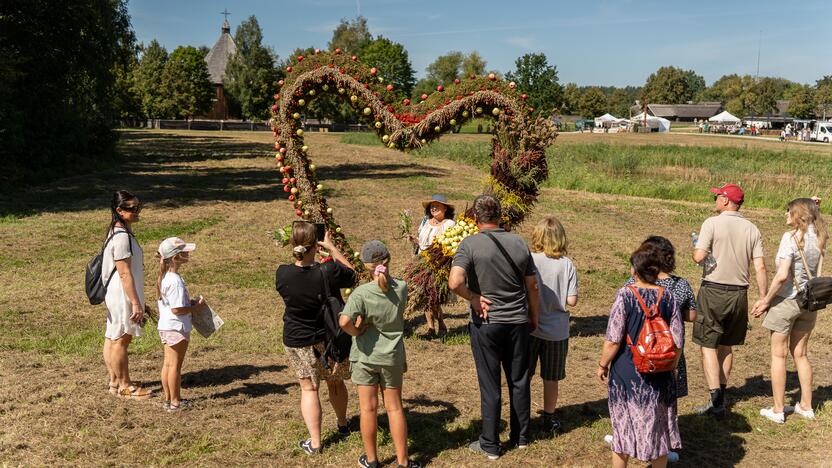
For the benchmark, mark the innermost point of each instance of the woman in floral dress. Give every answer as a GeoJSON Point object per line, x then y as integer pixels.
{"type": "Point", "coordinates": [642, 406]}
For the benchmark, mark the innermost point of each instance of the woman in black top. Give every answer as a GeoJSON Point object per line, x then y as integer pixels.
{"type": "Point", "coordinates": [300, 284]}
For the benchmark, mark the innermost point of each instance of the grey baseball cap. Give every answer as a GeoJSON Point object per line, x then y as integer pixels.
{"type": "Point", "coordinates": [374, 251]}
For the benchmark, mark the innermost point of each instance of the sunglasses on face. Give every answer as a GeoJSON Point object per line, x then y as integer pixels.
{"type": "Point", "coordinates": [132, 209]}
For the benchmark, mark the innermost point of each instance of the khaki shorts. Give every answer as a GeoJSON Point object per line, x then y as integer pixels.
{"type": "Point", "coordinates": [383, 376]}
{"type": "Point", "coordinates": [785, 316]}
{"type": "Point", "coordinates": [307, 364]}
{"type": "Point", "coordinates": [721, 315]}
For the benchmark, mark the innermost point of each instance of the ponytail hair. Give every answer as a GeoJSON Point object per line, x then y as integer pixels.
{"type": "Point", "coordinates": [381, 273]}
{"type": "Point", "coordinates": [120, 199]}
{"type": "Point", "coordinates": [164, 267]}
{"type": "Point", "coordinates": [303, 238]}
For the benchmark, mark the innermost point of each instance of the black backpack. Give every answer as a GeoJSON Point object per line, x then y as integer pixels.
{"type": "Point", "coordinates": [338, 342]}
{"type": "Point", "coordinates": [97, 289]}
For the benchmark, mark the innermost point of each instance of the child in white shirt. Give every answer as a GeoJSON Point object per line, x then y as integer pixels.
{"type": "Point", "coordinates": [175, 309]}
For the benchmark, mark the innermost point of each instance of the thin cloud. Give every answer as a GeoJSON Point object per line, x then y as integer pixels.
{"type": "Point", "coordinates": [523, 42]}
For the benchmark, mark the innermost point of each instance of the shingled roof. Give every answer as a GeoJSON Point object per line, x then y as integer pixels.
{"type": "Point", "coordinates": [703, 110]}
{"type": "Point", "coordinates": [223, 49]}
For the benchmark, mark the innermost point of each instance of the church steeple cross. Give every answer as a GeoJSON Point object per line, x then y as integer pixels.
{"type": "Point", "coordinates": [225, 13]}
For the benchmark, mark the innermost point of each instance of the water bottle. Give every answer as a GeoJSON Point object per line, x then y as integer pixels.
{"type": "Point", "coordinates": [710, 262]}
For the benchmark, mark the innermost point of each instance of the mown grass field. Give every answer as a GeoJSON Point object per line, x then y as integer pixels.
{"type": "Point", "coordinates": [222, 191]}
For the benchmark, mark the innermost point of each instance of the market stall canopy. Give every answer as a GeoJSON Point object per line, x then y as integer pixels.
{"type": "Point", "coordinates": [724, 117]}
{"type": "Point", "coordinates": [653, 122]}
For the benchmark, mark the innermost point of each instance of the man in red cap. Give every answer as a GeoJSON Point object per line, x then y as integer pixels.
{"type": "Point", "coordinates": [722, 302]}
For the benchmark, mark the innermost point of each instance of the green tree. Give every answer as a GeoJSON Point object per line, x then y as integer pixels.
{"type": "Point", "coordinates": [250, 76]}
{"type": "Point", "coordinates": [671, 85]}
{"type": "Point", "coordinates": [446, 68]}
{"type": "Point", "coordinates": [802, 102]}
{"type": "Point", "coordinates": [147, 80]}
{"type": "Point", "coordinates": [125, 97]}
{"type": "Point", "coordinates": [424, 86]}
{"type": "Point", "coordinates": [571, 98]}
{"type": "Point", "coordinates": [57, 66]}
{"type": "Point", "coordinates": [393, 63]}
{"type": "Point", "coordinates": [764, 95]}
{"type": "Point", "coordinates": [186, 85]}
{"type": "Point", "coordinates": [593, 102]}
{"type": "Point", "coordinates": [539, 80]}
{"type": "Point", "coordinates": [351, 36]}
{"type": "Point", "coordinates": [696, 84]}
{"type": "Point", "coordinates": [823, 96]}
{"type": "Point", "coordinates": [619, 102]}
{"type": "Point", "coordinates": [473, 65]}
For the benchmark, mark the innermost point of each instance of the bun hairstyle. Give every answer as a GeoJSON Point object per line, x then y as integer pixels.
{"type": "Point", "coordinates": [120, 199]}
{"type": "Point", "coordinates": [665, 252]}
{"type": "Point", "coordinates": [647, 263]}
{"type": "Point", "coordinates": [303, 239]}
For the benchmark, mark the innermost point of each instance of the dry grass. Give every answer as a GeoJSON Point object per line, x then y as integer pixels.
{"type": "Point", "coordinates": [221, 191]}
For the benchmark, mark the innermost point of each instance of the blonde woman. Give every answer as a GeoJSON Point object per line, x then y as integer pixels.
{"type": "Point", "coordinates": [801, 248]}
{"type": "Point", "coordinates": [558, 282]}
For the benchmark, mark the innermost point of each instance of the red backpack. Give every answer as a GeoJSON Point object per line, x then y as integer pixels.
{"type": "Point", "coordinates": [655, 350]}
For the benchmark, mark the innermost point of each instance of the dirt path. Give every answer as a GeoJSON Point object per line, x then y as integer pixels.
{"type": "Point", "coordinates": [222, 191]}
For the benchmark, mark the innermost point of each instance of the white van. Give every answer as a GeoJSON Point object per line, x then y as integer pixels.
{"type": "Point", "coordinates": [822, 132]}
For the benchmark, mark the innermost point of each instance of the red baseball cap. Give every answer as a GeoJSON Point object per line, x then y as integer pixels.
{"type": "Point", "coordinates": [731, 191]}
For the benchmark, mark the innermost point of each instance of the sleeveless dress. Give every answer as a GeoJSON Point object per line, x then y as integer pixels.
{"type": "Point", "coordinates": [642, 406]}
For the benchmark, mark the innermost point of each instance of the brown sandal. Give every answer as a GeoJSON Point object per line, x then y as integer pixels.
{"type": "Point", "coordinates": [134, 391]}
{"type": "Point", "coordinates": [113, 389]}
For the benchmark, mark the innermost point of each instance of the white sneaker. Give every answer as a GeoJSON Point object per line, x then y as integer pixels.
{"type": "Point", "coordinates": [608, 439]}
{"type": "Point", "coordinates": [798, 410]}
{"type": "Point", "coordinates": [769, 413]}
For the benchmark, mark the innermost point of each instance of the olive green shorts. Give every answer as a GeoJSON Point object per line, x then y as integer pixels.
{"type": "Point", "coordinates": [372, 374]}
{"type": "Point", "coordinates": [721, 315]}
{"type": "Point", "coordinates": [784, 315]}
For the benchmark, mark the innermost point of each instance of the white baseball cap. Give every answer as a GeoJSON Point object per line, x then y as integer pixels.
{"type": "Point", "coordinates": [174, 245]}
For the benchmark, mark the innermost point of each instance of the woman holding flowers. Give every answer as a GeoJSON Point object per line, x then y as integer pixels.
{"type": "Point", "coordinates": [439, 216]}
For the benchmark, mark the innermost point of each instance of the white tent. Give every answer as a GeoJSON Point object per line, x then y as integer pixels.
{"type": "Point", "coordinates": [652, 121]}
{"type": "Point", "coordinates": [605, 118]}
{"type": "Point", "coordinates": [724, 117]}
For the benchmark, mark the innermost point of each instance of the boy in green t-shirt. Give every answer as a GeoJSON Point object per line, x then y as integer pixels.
{"type": "Point", "coordinates": [374, 316]}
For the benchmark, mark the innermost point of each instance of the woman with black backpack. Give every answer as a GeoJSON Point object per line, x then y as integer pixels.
{"type": "Point", "coordinates": [303, 285]}
{"type": "Point", "coordinates": [122, 271]}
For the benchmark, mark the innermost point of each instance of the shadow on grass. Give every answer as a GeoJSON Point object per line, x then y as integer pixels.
{"type": "Point", "coordinates": [592, 325]}
{"type": "Point", "coordinates": [225, 375]}
{"type": "Point", "coordinates": [711, 443]}
{"type": "Point", "coordinates": [254, 390]}
{"type": "Point", "coordinates": [158, 168]}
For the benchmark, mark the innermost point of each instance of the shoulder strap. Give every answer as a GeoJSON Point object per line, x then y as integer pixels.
{"type": "Point", "coordinates": [325, 281]}
{"type": "Point", "coordinates": [109, 278]}
{"type": "Point", "coordinates": [508, 257]}
{"type": "Point", "coordinates": [647, 310]}
{"type": "Point", "coordinates": [805, 263]}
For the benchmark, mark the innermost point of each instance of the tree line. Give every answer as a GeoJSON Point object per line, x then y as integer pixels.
{"type": "Point", "coordinates": [66, 86]}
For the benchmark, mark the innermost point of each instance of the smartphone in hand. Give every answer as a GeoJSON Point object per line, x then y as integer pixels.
{"type": "Point", "coordinates": [320, 231]}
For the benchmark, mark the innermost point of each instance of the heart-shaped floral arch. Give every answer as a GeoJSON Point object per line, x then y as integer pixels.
{"type": "Point", "coordinates": [518, 148]}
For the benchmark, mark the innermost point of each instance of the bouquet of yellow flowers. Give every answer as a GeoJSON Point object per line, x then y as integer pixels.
{"type": "Point", "coordinates": [450, 238]}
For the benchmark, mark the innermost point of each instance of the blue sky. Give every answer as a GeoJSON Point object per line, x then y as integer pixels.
{"type": "Point", "coordinates": [592, 43]}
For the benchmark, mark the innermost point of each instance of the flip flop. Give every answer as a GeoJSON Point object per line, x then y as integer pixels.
{"type": "Point", "coordinates": [113, 389]}
{"type": "Point", "coordinates": [134, 392]}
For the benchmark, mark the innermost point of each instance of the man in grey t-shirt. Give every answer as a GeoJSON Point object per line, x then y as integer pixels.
{"type": "Point", "coordinates": [493, 270]}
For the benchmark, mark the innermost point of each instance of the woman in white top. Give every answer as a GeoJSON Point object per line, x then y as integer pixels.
{"type": "Point", "coordinates": [801, 249]}
{"type": "Point", "coordinates": [175, 319]}
{"type": "Point", "coordinates": [123, 261]}
{"type": "Point", "coordinates": [439, 215]}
